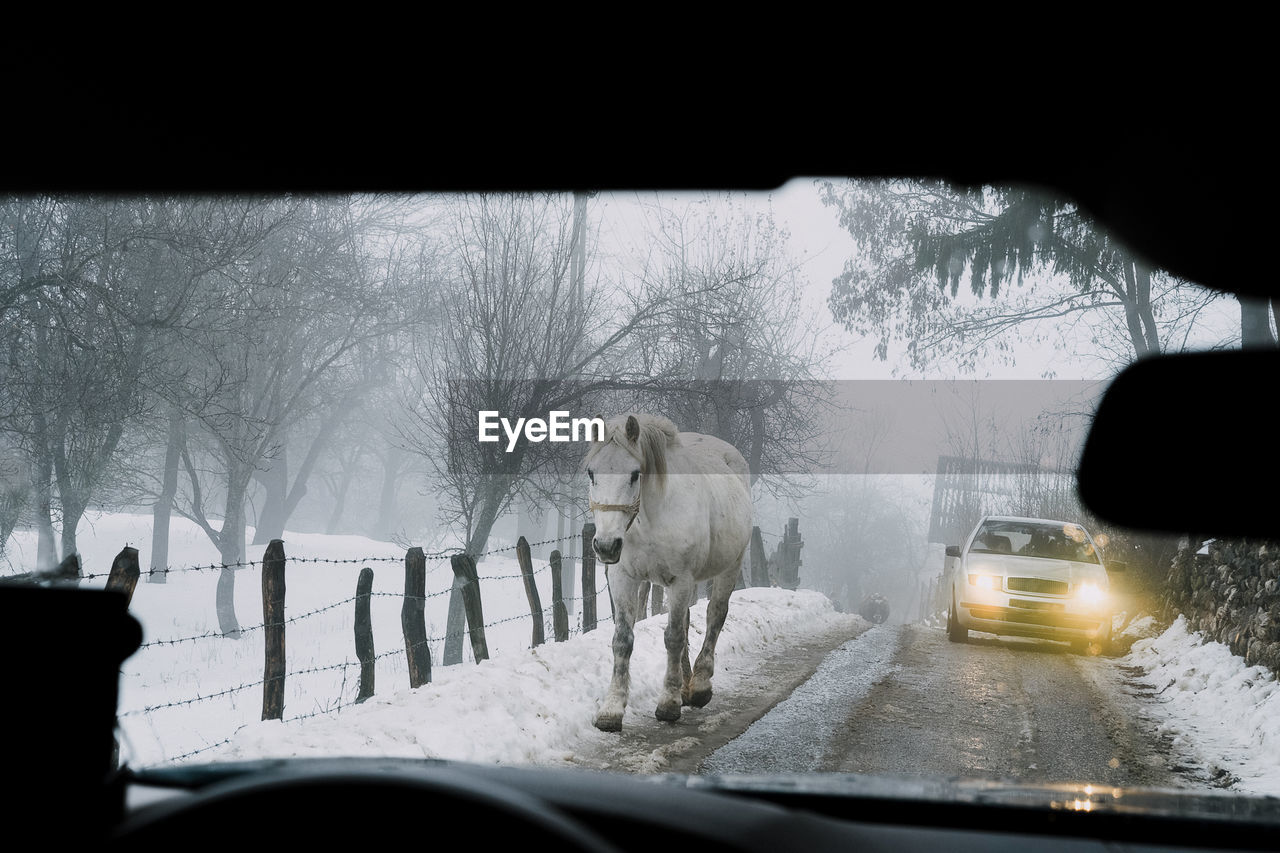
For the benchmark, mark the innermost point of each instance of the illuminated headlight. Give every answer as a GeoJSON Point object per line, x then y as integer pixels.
{"type": "Point", "coordinates": [986, 581]}
{"type": "Point", "coordinates": [1090, 593]}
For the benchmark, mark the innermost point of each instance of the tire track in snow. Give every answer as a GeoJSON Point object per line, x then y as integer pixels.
{"type": "Point", "coordinates": [800, 732]}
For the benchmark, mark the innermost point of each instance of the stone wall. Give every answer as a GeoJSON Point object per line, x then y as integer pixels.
{"type": "Point", "coordinates": [1231, 595]}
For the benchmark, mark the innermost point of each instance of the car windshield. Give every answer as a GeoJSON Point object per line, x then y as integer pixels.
{"type": "Point", "coordinates": [1054, 541]}
{"type": "Point", "coordinates": [627, 480]}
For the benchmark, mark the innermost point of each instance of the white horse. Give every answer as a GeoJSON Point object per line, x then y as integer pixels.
{"type": "Point", "coordinates": [673, 509]}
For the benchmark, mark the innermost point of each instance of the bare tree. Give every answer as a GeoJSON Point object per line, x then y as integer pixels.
{"type": "Point", "coordinates": [517, 336]}
{"type": "Point", "coordinates": [343, 464]}
{"type": "Point", "coordinates": [377, 265]}
{"type": "Point", "coordinates": [1033, 266]}
{"type": "Point", "coordinates": [15, 489]}
{"type": "Point", "coordinates": [112, 279]}
{"type": "Point", "coordinates": [738, 356]}
{"type": "Point", "coordinates": [281, 347]}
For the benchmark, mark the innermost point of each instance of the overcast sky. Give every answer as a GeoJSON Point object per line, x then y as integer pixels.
{"type": "Point", "coordinates": [821, 247]}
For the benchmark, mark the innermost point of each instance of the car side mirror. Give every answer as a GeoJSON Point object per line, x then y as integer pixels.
{"type": "Point", "coordinates": [1114, 566]}
{"type": "Point", "coordinates": [952, 551]}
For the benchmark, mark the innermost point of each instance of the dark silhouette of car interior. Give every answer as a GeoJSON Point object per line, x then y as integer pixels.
{"type": "Point", "coordinates": [65, 646]}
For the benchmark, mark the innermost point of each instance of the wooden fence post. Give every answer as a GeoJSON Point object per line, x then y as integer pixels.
{"type": "Point", "coordinates": [559, 615]}
{"type": "Point", "coordinates": [759, 565]}
{"type": "Point", "coordinates": [789, 555]}
{"type": "Point", "coordinates": [273, 632]}
{"type": "Point", "coordinates": [364, 634]}
{"type": "Point", "coordinates": [531, 590]}
{"type": "Point", "coordinates": [123, 578]}
{"type": "Point", "coordinates": [413, 620]}
{"type": "Point", "coordinates": [588, 578]}
{"type": "Point", "coordinates": [656, 604]}
{"type": "Point", "coordinates": [124, 573]}
{"type": "Point", "coordinates": [464, 570]}
{"type": "Point", "coordinates": [455, 623]}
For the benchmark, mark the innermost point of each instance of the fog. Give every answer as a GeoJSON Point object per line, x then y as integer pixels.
{"type": "Point", "coordinates": [317, 364]}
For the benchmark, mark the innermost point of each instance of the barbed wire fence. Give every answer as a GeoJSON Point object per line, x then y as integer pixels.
{"type": "Point", "coordinates": [462, 586]}
{"type": "Point", "coordinates": [464, 592]}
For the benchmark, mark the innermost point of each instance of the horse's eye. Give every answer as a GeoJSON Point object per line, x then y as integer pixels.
{"type": "Point", "coordinates": [635, 475]}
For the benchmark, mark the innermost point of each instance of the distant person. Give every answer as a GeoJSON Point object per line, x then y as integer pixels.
{"type": "Point", "coordinates": [874, 608]}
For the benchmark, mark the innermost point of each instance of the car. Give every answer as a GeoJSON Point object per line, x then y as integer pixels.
{"type": "Point", "coordinates": [1030, 577]}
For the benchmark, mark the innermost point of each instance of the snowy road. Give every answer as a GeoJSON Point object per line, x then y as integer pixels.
{"type": "Point", "coordinates": [902, 700]}
{"type": "Point", "coordinates": [648, 745]}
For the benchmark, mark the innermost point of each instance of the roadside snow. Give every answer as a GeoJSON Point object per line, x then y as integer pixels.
{"type": "Point", "coordinates": [522, 706]}
{"type": "Point", "coordinates": [1214, 706]}
{"type": "Point", "coordinates": [536, 706]}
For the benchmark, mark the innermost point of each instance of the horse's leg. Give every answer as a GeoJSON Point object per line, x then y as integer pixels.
{"type": "Point", "coordinates": [642, 599]}
{"type": "Point", "coordinates": [686, 670]}
{"type": "Point", "coordinates": [624, 590]}
{"type": "Point", "coordinates": [676, 639]}
{"type": "Point", "coordinates": [717, 610]}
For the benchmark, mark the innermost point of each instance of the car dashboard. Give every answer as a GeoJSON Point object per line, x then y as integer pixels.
{"type": "Point", "coordinates": [340, 800]}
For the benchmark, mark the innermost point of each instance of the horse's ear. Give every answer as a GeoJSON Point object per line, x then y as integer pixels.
{"type": "Point", "coordinates": [633, 428]}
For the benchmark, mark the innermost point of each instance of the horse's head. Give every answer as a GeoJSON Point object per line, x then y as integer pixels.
{"type": "Point", "coordinates": [629, 463]}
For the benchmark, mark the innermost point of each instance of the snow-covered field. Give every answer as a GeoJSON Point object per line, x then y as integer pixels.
{"type": "Point", "coordinates": [1215, 708]}
{"type": "Point", "coordinates": [201, 699]}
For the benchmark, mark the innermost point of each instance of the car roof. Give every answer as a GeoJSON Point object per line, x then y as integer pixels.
{"type": "Point", "coordinates": [1032, 520]}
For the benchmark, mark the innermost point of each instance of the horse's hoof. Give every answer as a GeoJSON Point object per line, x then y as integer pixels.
{"type": "Point", "coordinates": [609, 722]}
{"type": "Point", "coordinates": [668, 712]}
{"type": "Point", "coordinates": [700, 698]}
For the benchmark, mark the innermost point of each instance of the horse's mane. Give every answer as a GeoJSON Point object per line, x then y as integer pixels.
{"type": "Point", "coordinates": [656, 435]}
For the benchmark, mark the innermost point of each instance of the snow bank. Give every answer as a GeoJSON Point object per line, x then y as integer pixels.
{"type": "Point", "coordinates": [1214, 706]}
{"type": "Point", "coordinates": [201, 699]}
{"type": "Point", "coordinates": [537, 706]}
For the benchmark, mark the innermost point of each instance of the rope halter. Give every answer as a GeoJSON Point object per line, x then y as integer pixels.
{"type": "Point", "coordinates": [633, 508]}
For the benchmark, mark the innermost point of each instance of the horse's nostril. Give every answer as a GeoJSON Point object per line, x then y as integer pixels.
{"type": "Point", "coordinates": [609, 549]}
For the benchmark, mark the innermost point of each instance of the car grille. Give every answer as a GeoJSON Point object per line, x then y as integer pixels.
{"type": "Point", "coordinates": [1040, 585]}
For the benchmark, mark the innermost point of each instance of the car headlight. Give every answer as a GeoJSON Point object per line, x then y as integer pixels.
{"type": "Point", "coordinates": [986, 581]}
{"type": "Point", "coordinates": [1090, 593]}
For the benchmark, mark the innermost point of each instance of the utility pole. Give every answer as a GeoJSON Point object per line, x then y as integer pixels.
{"type": "Point", "coordinates": [578, 276]}
{"type": "Point", "coordinates": [578, 263]}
